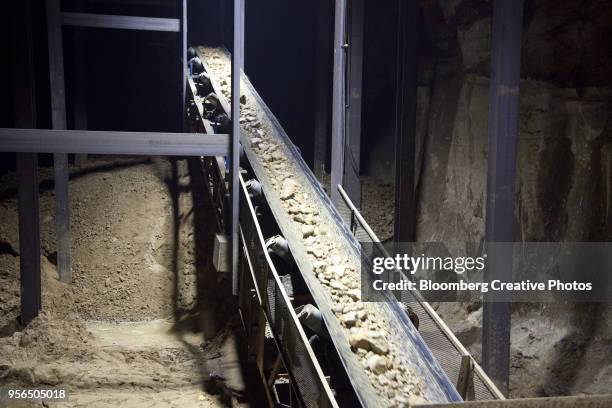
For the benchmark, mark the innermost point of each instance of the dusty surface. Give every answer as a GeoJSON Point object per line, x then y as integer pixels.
{"type": "Point", "coordinates": [132, 328]}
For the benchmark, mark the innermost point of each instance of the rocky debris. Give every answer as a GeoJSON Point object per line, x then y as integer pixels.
{"type": "Point", "coordinates": [338, 270]}
{"type": "Point", "coordinates": [388, 373]}
{"type": "Point", "coordinates": [378, 364]}
{"type": "Point", "coordinates": [307, 231]}
{"type": "Point", "coordinates": [255, 142]}
{"type": "Point", "coordinates": [288, 189]}
{"type": "Point", "coordinates": [349, 319]}
{"type": "Point", "coordinates": [369, 340]}
{"type": "Point", "coordinates": [337, 285]}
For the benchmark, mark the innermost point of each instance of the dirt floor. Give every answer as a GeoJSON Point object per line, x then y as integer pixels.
{"type": "Point", "coordinates": [147, 321]}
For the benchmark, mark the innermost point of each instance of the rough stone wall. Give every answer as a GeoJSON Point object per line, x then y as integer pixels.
{"type": "Point", "coordinates": [563, 180]}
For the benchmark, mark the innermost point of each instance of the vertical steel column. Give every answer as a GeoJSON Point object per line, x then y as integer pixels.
{"type": "Point", "coordinates": [25, 117]}
{"type": "Point", "coordinates": [352, 154]}
{"type": "Point", "coordinates": [503, 129]}
{"type": "Point", "coordinates": [405, 116]}
{"type": "Point", "coordinates": [338, 100]}
{"type": "Point", "coordinates": [183, 43]}
{"type": "Point", "coordinates": [237, 64]}
{"type": "Point", "coordinates": [58, 117]}
{"type": "Point", "coordinates": [80, 94]}
{"type": "Point", "coordinates": [322, 90]}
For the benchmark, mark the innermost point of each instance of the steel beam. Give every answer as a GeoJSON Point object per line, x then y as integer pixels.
{"type": "Point", "coordinates": [237, 64]}
{"type": "Point", "coordinates": [80, 89]}
{"type": "Point", "coordinates": [323, 52]}
{"type": "Point", "coordinates": [120, 22]}
{"type": "Point", "coordinates": [352, 155]}
{"type": "Point", "coordinates": [27, 163]}
{"type": "Point", "coordinates": [338, 101]}
{"type": "Point", "coordinates": [184, 62]}
{"type": "Point", "coordinates": [583, 401]}
{"type": "Point", "coordinates": [503, 130]}
{"type": "Point", "coordinates": [58, 119]}
{"type": "Point", "coordinates": [405, 116]}
{"type": "Point", "coordinates": [106, 142]}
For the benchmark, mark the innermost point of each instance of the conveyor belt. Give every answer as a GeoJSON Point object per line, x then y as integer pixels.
{"type": "Point", "coordinates": [436, 387]}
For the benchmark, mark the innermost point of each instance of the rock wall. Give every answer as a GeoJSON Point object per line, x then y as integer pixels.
{"type": "Point", "coordinates": [564, 171]}
{"type": "Point", "coordinates": [563, 180]}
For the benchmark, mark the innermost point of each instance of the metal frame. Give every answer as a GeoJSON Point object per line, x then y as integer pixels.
{"type": "Point", "coordinates": [56, 19]}
{"type": "Point", "coordinates": [352, 156]}
{"type": "Point", "coordinates": [338, 100]}
{"type": "Point", "coordinates": [283, 326]}
{"type": "Point", "coordinates": [106, 142]}
{"type": "Point", "coordinates": [322, 81]}
{"type": "Point", "coordinates": [503, 132]}
{"type": "Point", "coordinates": [404, 220]}
{"type": "Point", "coordinates": [58, 120]}
{"type": "Point", "coordinates": [24, 97]}
{"type": "Point", "coordinates": [26, 141]}
{"type": "Point", "coordinates": [184, 62]}
{"type": "Point", "coordinates": [477, 369]}
{"type": "Point", "coordinates": [121, 22]}
{"type": "Point", "coordinates": [237, 67]}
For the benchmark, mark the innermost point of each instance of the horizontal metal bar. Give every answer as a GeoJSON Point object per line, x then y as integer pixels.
{"type": "Point", "coordinates": [120, 22]}
{"type": "Point", "coordinates": [103, 142]}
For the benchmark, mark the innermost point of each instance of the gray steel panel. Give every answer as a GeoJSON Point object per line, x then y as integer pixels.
{"type": "Point", "coordinates": [120, 22]}
{"type": "Point", "coordinates": [58, 120]}
{"type": "Point", "coordinates": [102, 142]}
{"type": "Point", "coordinates": [338, 100]}
{"type": "Point", "coordinates": [237, 63]}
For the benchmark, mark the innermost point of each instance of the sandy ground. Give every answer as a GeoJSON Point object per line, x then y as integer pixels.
{"type": "Point", "coordinates": [147, 321]}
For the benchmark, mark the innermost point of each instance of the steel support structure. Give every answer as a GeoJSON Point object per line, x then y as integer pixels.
{"type": "Point", "coordinates": [352, 155]}
{"type": "Point", "coordinates": [338, 100]}
{"type": "Point", "coordinates": [27, 142]}
{"type": "Point", "coordinates": [503, 130]}
{"type": "Point", "coordinates": [55, 20]}
{"type": "Point", "coordinates": [120, 22]}
{"type": "Point", "coordinates": [237, 65]}
{"type": "Point", "coordinates": [405, 117]}
{"type": "Point", "coordinates": [58, 120]}
{"type": "Point", "coordinates": [27, 163]}
{"type": "Point", "coordinates": [183, 45]}
{"type": "Point", "coordinates": [80, 101]}
{"type": "Point", "coordinates": [110, 142]}
{"type": "Point", "coordinates": [80, 90]}
{"type": "Point", "coordinates": [323, 53]}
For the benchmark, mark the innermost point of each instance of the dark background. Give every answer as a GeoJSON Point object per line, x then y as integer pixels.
{"type": "Point", "coordinates": [132, 81]}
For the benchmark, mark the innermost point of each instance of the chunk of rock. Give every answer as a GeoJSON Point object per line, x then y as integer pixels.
{"type": "Point", "coordinates": [337, 308]}
{"type": "Point", "coordinates": [378, 364]}
{"type": "Point", "coordinates": [338, 270]}
{"type": "Point", "coordinates": [349, 319]}
{"type": "Point", "coordinates": [354, 294]}
{"type": "Point", "coordinates": [307, 231]}
{"type": "Point", "coordinates": [337, 285]}
{"type": "Point", "coordinates": [255, 142]}
{"type": "Point", "coordinates": [288, 189]}
{"type": "Point", "coordinates": [319, 266]}
{"type": "Point", "coordinates": [368, 340]}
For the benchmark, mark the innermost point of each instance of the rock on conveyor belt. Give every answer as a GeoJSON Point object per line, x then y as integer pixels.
{"type": "Point", "coordinates": [364, 326]}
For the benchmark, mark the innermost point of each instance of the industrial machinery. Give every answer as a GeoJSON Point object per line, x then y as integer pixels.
{"type": "Point", "coordinates": [308, 352]}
